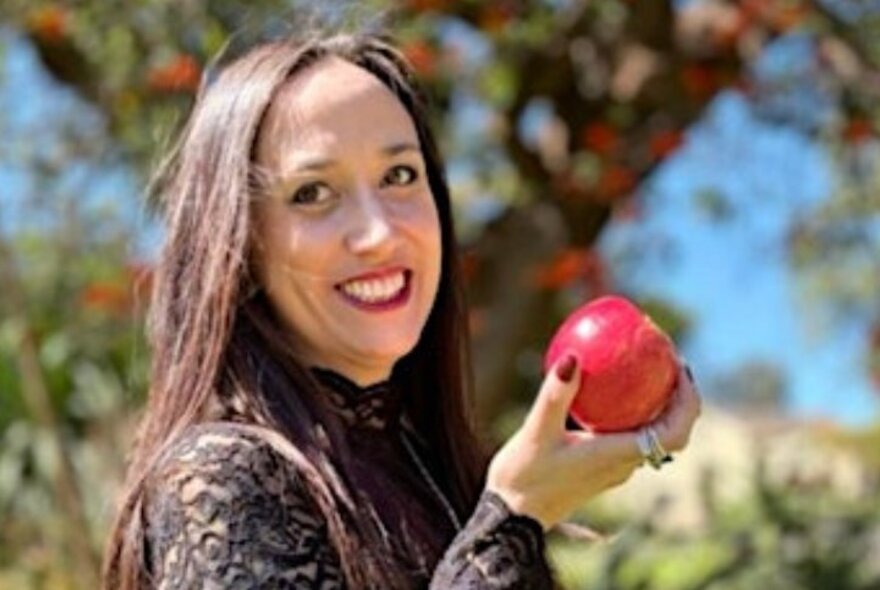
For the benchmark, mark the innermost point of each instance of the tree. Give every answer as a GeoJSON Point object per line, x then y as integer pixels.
{"type": "Point", "coordinates": [609, 87]}
{"type": "Point", "coordinates": [578, 102]}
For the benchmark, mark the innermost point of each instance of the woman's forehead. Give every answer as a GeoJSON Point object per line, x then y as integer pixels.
{"type": "Point", "coordinates": [335, 102]}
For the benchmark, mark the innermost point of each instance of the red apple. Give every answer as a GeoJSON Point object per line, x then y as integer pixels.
{"type": "Point", "coordinates": [628, 365]}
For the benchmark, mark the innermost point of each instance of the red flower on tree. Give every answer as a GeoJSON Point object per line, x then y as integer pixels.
{"type": "Point", "coordinates": [700, 81]}
{"type": "Point", "coordinates": [858, 130]}
{"type": "Point", "coordinates": [124, 295]}
{"type": "Point", "coordinates": [181, 74]}
{"type": "Point", "coordinates": [496, 15]}
{"type": "Point", "coordinates": [421, 56]}
{"type": "Point", "coordinates": [49, 23]}
{"type": "Point", "coordinates": [106, 297]}
{"type": "Point", "coordinates": [616, 180]}
{"type": "Point", "coordinates": [427, 5]}
{"type": "Point", "coordinates": [663, 143]}
{"type": "Point", "coordinates": [600, 137]}
{"type": "Point", "coordinates": [573, 265]}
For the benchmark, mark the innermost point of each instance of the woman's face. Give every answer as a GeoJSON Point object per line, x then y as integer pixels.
{"type": "Point", "coordinates": [347, 240]}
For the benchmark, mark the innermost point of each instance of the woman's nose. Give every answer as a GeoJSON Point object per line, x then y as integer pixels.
{"type": "Point", "coordinates": [372, 230]}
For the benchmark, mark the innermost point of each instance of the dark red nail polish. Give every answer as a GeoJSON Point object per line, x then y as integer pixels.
{"type": "Point", "coordinates": [565, 369]}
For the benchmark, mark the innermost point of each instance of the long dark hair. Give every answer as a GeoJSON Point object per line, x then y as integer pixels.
{"type": "Point", "coordinates": [216, 342]}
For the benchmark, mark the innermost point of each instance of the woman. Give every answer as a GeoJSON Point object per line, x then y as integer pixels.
{"type": "Point", "coordinates": [307, 422]}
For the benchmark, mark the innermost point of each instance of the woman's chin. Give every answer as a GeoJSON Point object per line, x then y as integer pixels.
{"type": "Point", "coordinates": [372, 362]}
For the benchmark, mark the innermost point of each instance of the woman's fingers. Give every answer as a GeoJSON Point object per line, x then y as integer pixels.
{"type": "Point", "coordinates": [674, 425]}
{"type": "Point", "coordinates": [554, 399]}
{"type": "Point", "coordinates": [619, 447]}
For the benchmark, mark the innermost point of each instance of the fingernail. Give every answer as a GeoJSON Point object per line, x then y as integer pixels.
{"type": "Point", "coordinates": [565, 369]}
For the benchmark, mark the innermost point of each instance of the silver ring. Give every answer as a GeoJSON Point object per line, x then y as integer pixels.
{"type": "Point", "coordinates": [651, 449]}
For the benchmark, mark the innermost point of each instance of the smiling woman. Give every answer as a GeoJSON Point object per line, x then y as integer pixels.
{"type": "Point", "coordinates": [348, 243]}
{"type": "Point", "coordinates": [308, 416]}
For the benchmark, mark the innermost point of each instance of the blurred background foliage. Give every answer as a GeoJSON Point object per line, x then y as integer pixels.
{"type": "Point", "coordinates": [554, 114]}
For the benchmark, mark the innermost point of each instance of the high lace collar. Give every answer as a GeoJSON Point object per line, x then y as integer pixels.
{"type": "Point", "coordinates": [374, 407]}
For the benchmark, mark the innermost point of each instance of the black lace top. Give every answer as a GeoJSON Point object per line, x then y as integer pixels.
{"type": "Point", "coordinates": [226, 510]}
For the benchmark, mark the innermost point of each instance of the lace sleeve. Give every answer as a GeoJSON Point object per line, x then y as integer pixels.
{"type": "Point", "coordinates": [225, 511]}
{"type": "Point", "coordinates": [498, 550]}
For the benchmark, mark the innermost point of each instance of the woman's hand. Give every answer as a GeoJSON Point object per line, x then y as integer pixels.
{"type": "Point", "coordinates": [546, 471]}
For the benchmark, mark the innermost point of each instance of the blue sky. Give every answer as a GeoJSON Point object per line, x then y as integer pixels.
{"type": "Point", "coordinates": [36, 113]}
{"type": "Point", "coordinates": [731, 276]}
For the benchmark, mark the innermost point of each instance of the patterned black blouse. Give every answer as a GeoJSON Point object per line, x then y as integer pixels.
{"type": "Point", "coordinates": [226, 510]}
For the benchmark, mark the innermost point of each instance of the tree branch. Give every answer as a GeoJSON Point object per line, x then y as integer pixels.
{"type": "Point", "coordinates": [38, 400]}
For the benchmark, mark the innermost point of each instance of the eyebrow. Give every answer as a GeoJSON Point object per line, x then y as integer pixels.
{"type": "Point", "coordinates": [311, 164]}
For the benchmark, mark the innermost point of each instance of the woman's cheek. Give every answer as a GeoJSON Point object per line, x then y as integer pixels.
{"type": "Point", "coordinates": [426, 212]}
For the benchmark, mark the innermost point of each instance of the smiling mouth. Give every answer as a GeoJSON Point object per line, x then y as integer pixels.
{"type": "Point", "coordinates": [378, 293]}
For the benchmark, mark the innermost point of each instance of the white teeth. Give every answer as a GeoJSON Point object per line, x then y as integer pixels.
{"type": "Point", "coordinates": [376, 290]}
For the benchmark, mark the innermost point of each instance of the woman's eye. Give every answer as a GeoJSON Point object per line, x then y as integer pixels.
{"type": "Point", "coordinates": [311, 194]}
{"type": "Point", "coordinates": [401, 175]}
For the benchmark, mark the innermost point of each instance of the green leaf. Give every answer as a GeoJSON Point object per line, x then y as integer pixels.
{"type": "Point", "coordinates": [97, 392]}
{"type": "Point", "coordinates": [498, 84]}
{"type": "Point", "coordinates": [55, 350]}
